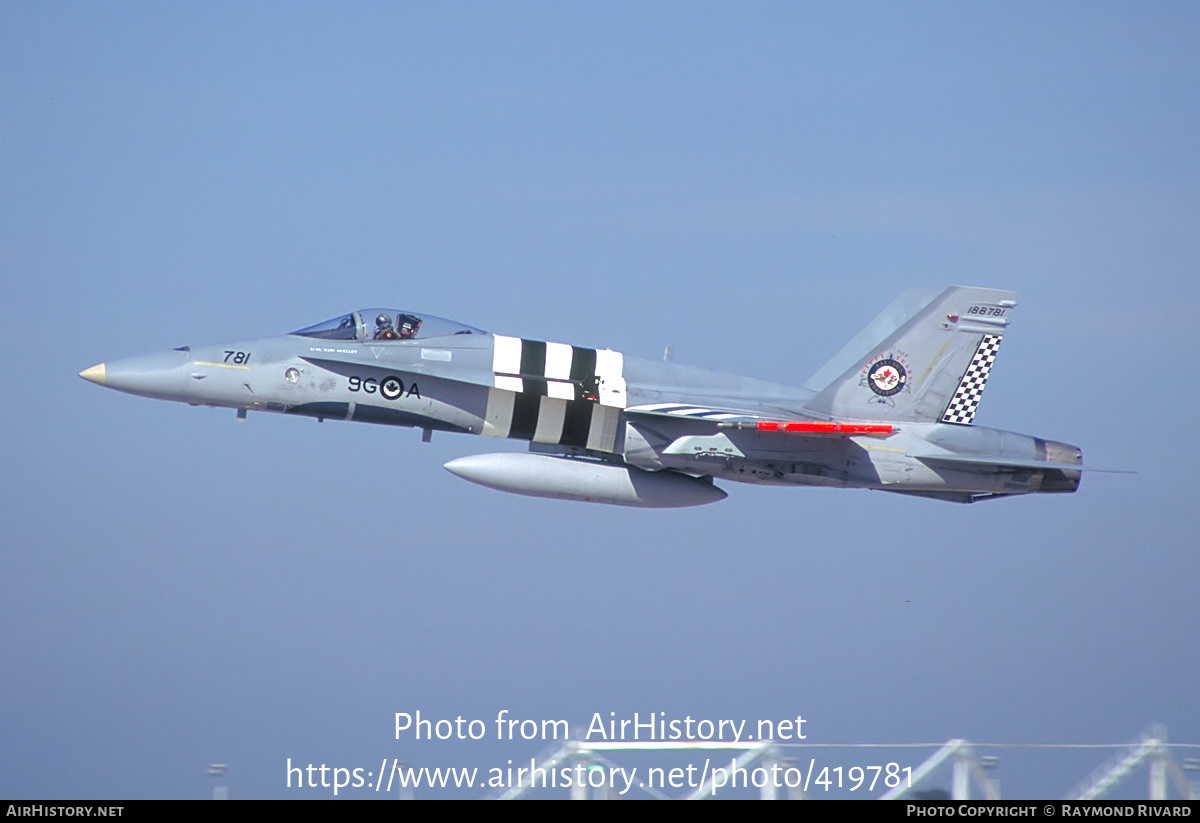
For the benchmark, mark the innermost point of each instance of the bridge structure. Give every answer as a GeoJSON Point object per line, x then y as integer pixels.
{"type": "Point", "coordinates": [780, 771]}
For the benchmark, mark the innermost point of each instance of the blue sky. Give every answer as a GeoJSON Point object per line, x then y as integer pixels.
{"type": "Point", "coordinates": [747, 184]}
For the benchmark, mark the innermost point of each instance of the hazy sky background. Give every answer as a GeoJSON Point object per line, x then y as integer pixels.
{"type": "Point", "coordinates": [749, 184]}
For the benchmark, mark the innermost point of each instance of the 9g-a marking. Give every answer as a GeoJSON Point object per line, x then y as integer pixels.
{"type": "Point", "coordinates": [390, 387]}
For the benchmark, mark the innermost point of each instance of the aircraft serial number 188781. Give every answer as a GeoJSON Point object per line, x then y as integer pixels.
{"type": "Point", "coordinates": [892, 410]}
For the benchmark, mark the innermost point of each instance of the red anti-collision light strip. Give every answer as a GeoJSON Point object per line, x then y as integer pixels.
{"type": "Point", "coordinates": [825, 428]}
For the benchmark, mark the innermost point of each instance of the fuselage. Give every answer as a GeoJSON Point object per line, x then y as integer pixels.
{"type": "Point", "coordinates": [645, 415]}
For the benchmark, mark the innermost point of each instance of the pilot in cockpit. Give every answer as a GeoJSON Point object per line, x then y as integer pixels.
{"type": "Point", "coordinates": [383, 328]}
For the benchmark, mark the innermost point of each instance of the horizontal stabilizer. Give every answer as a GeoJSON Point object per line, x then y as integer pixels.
{"type": "Point", "coordinates": [993, 462]}
{"type": "Point", "coordinates": [949, 497]}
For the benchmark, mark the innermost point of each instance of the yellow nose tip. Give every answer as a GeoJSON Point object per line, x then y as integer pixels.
{"type": "Point", "coordinates": [95, 374]}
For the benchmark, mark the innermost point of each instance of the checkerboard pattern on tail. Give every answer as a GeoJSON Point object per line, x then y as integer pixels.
{"type": "Point", "coordinates": [961, 408]}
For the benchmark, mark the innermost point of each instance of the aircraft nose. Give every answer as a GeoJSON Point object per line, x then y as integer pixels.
{"type": "Point", "coordinates": [95, 374]}
{"type": "Point", "coordinates": [150, 375]}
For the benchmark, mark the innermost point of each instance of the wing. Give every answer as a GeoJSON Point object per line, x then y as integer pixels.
{"type": "Point", "coordinates": [721, 418]}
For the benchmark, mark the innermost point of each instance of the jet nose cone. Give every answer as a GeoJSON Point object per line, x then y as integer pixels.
{"type": "Point", "coordinates": [150, 375]}
{"type": "Point", "coordinates": [95, 374]}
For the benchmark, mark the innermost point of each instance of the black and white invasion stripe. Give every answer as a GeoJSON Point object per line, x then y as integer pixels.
{"type": "Point", "coordinates": [555, 393]}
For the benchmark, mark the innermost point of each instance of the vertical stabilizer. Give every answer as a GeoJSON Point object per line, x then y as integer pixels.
{"type": "Point", "coordinates": [932, 368]}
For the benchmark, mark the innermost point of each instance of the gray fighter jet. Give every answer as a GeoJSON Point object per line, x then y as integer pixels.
{"type": "Point", "coordinates": [892, 410]}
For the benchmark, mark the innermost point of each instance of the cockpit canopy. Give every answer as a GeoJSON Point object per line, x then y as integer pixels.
{"type": "Point", "coordinates": [386, 324]}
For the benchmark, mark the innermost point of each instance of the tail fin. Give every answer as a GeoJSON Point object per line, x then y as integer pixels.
{"type": "Point", "coordinates": [930, 362]}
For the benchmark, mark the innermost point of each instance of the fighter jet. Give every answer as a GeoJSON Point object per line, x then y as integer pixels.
{"type": "Point", "coordinates": [892, 410]}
